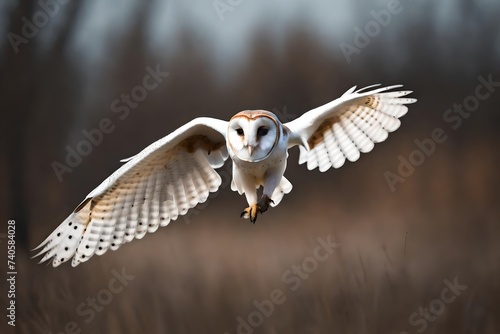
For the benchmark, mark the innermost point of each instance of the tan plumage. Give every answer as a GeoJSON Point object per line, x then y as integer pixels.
{"type": "Point", "coordinates": [346, 127]}
{"type": "Point", "coordinates": [154, 187]}
{"type": "Point", "coordinates": [177, 172]}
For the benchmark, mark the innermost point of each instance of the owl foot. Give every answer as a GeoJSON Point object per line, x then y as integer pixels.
{"type": "Point", "coordinates": [253, 210]}
{"type": "Point", "coordinates": [264, 203]}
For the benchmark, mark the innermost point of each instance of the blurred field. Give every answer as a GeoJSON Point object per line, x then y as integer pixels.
{"type": "Point", "coordinates": [200, 277]}
{"type": "Point", "coordinates": [397, 248]}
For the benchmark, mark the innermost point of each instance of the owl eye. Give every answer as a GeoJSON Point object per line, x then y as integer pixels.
{"type": "Point", "coordinates": [262, 131]}
{"type": "Point", "coordinates": [239, 131]}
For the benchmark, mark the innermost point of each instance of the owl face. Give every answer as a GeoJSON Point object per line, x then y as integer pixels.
{"type": "Point", "coordinates": [252, 135]}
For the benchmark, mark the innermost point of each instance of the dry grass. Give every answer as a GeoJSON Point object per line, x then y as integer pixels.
{"type": "Point", "coordinates": [396, 251]}
{"type": "Point", "coordinates": [200, 278]}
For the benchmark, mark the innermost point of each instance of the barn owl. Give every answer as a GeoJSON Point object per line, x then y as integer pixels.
{"type": "Point", "coordinates": [177, 172]}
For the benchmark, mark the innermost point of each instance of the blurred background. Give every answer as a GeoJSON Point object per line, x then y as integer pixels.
{"type": "Point", "coordinates": [64, 66]}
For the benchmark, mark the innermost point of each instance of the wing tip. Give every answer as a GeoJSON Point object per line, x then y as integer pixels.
{"type": "Point", "coordinates": [367, 87]}
{"type": "Point", "coordinates": [43, 251]}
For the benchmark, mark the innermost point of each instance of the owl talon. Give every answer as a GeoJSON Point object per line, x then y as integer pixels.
{"type": "Point", "coordinates": [251, 212]}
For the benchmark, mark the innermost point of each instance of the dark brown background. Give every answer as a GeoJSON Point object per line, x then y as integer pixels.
{"type": "Point", "coordinates": [198, 275]}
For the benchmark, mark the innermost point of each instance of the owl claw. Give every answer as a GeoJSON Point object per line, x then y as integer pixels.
{"type": "Point", "coordinates": [253, 210]}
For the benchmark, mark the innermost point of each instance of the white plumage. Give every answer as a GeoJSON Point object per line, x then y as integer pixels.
{"type": "Point", "coordinates": [177, 172]}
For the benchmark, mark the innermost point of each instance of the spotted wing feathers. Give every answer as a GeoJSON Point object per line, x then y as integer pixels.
{"type": "Point", "coordinates": [153, 188]}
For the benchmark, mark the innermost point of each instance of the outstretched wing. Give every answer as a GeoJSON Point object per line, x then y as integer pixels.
{"type": "Point", "coordinates": [156, 186]}
{"type": "Point", "coordinates": [345, 127]}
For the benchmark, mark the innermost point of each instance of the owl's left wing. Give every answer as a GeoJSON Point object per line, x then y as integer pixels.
{"type": "Point", "coordinates": [156, 186]}
{"type": "Point", "coordinates": [347, 126]}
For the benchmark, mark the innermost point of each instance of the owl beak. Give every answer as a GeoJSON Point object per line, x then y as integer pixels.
{"type": "Point", "coordinates": [250, 150]}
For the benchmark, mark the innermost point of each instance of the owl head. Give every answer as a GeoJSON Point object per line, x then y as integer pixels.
{"type": "Point", "coordinates": [253, 135]}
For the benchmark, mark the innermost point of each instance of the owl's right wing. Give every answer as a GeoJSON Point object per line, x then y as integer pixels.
{"type": "Point", "coordinates": [156, 186]}
{"type": "Point", "coordinates": [347, 126]}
